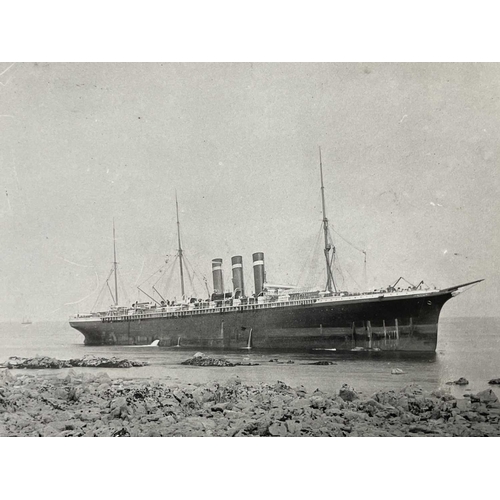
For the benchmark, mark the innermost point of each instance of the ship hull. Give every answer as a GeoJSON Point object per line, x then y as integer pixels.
{"type": "Point", "coordinates": [380, 323]}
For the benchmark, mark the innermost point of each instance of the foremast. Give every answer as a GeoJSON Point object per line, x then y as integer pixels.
{"type": "Point", "coordinates": [330, 282]}
{"type": "Point", "coordinates": [179, 244]}
{"type": "Point", "coordinates": [115, 264]}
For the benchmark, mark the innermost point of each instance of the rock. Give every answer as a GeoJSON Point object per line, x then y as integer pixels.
{"type": "Point", "coordinates": [30, 406]}
{"type": "Point", "coordinates": [35, 363]}
{"type": "Point", "coordinates": [487, 396]}
{"type": "Point", "coordinates": [317, 402]}
{"type": "Point", "coordinates": [460, 381]}
{"type": "Point", "coordinates": [441, 393]}
{"type": "Point", "coordinates": [323, 363]}
{"type": "Point", "coordinates": [119, 408]}
{"type": "Point", "coordinates": [463, 404]}
{"type": "Point", "coordinates": [412, 390]}
{"type": "Point", "coordinates": [103, 387]}
{"type": "Point", "coordinates": [87, 361]}
{"type": "Point", "coordinates": [198, 355]}
{"type": "Point", "coordinates": [121, 433]}
{"type": "Point", "coordinates": [494, 381]}
{"type": "Point", "coordinates": [277, 429]}
{"type": "Point", "coordinates": [397, 371]}
{"type": "Point", "coordinates": [234, 380]}
{"type": "Point", "coordinates": [347, 393]}
{"type": "Point", "coordinates": [6, 377]}
{"type": "Point", "coordinates": [205, 361]}
{"type": "Point", "coordinates": [420, 429]}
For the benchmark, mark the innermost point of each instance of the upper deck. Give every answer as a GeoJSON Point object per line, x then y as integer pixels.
{"type": "Point", "coordinates": [246, 304]}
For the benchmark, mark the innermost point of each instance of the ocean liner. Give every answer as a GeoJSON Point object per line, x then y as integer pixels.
{"type": "Point", "coordinates": [274, 316]}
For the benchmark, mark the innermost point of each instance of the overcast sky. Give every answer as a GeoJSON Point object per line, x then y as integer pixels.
{"type": "Point", "coordinates": [410, 156]}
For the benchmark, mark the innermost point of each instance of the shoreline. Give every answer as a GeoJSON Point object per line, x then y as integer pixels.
{"type": "Point", "coordinates": [93, 404]}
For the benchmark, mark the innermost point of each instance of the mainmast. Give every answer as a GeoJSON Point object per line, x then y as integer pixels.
{"type": "Point", "coordinates": [330, 283]}
{"type": "Point", "coordinates": [179, 242]}
{"type": "Point", "coordinates": [115, 264]}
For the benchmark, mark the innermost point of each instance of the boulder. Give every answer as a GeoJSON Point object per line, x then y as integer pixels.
{"type": "Point", "coordinates": [494, 381]}
{"type": "Point", "coordinates": [278, 429]}
{"type": "Point", "coordinates": [441, 392]}
{"type": "Point", "coordinates": [45, 362]}
{"type": "Point", "coordinates": [487, 396]}
{"type": "Point", "coordinates": [397, 371]}
{"type": "Point", "coordinates": [119, 408]}
{"type": "Point", "coordinates": [205, 361]}
{"type": "Point", "coordinates": [460, 381]}
{"type": "Point", "coordinates": [347, 393]}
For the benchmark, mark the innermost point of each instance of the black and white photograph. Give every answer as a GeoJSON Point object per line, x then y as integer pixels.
{"type": "Point", "coordinates": [260, 244]}
{"type": "Point", "coordinates": [249, 249]}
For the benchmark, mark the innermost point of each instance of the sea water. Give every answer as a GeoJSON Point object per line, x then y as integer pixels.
{"type": "Point", "coordinates": [467, 347]}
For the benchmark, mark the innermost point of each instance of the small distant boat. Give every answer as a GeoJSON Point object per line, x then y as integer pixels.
{"type": "Point", "coordinates": [26, 321]}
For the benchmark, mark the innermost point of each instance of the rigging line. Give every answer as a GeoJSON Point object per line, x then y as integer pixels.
{"type": "Point", "coordinates": [315, 273]}
{"type": "Point", "coordinates": [140, 274]}
{"type": "Point", "coordinates": [115, 263]}
{"type": "Point", "coordinates": [168, 277]}
{"type": "Point", "coordinates": [193, 275]}
{"type": "Point", "coordinates": [123, 289]}
{"type": "Point", "coordinates": [310, 260]}
{"type": "Point", "coordinates": [161, 275]}
{"type": "Point", "coordinates": [404, 279]}
{"type": "Point", "coordinates": [91, 293]}
{"type": "Point", "coordinates": [121, 286]}
{"type": "Point", "coordinates": [162, 298]}
{"type": "Point", "coordinates": [152, 298]}
{"type": "Point", "coordinates": [100, 297]}
{"type": "Point", "coordinates": [338, 266]}
{"type": "Point", "coordinates": [190, 274]}
{"type": "Point", "coordinates": [200, 276]}
{"type": "Point", "coordinates": [149, 277]}
{"type": "Point", "coordinates": [74, 263]}
{"type": "Point", "coordinates": [179, 242]}
{"type": "Point", "coordinates": [110, 292]}
{"type": "Point", "coordinates": [348, 242]}
{"type": "Point", "coordinates": [101, 291]}
{"type": "Point", "coordinates": [352, 277]}
{"type": "Point", "coordinates": [359, 250]}
{"type": "Point", "coordinates": [98, 300]}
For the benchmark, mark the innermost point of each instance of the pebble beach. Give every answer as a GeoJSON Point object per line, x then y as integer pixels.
{"type": "Point", "coordinates": [71, 404]}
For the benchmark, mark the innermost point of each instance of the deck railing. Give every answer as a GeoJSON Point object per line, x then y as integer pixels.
{"type": "Point", "coordinates": [204, 310]}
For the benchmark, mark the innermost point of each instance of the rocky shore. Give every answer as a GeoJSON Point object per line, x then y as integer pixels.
{"type": "Point", "coordinates": [76, 404]}
{"type": "Point", "coordinates": [88, 361]}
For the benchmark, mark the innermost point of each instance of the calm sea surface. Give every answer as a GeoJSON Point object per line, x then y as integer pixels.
{"type": "Point", "coordinates": [467, 347]}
